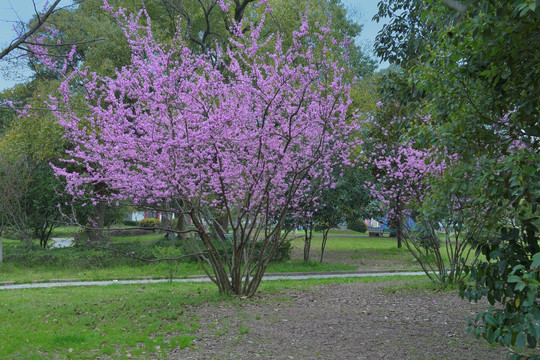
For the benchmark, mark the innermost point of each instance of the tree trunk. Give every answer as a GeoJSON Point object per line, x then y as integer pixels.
{"type": "Point", "coordinates": [182, 227]}
{"type": "Point", "coordinates": [308, 231]}
{"type": "Point", "coordinates": [399, 231]}
{"type": "Point", "coordinates": [220, 226]}
{"type": "Point", "coordinates": [323, 244]}
{"type": "Point", "coordinates": [96, 234]}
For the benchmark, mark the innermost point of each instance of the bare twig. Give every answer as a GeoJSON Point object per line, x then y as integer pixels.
{"type": "Point", "coordinates": [66, 44]}
{"type": "Point", "coordinates": [40, 20]}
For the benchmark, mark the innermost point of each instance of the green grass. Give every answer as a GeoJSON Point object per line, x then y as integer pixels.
{"type": "Point", "coordinates": [65, 231]}
{"type": "Point", "coordinates": [340, 243]}
{"type": "Point", "coordinates": [338, 232]}
{"type": "Point", "coordinates": [92, 321]}
{"type": "Point", "coordinates": [299, 266]}
{"type": "Point", "coordinates": [20, 274]}
{"type": "Point", "coordinates": [367, 247]}
{"type": "Point", "coordinates": [87, 264]}
{"type": "Point", "coordinates": [95, 264]}
{"type": "Point", "coordinates": [120, 321]}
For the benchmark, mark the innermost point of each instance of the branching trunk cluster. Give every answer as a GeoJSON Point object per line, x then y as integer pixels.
{"type": "Point", "coordinates": [456, 245]}
{"type": "Point", "coordinates": [234, 262]}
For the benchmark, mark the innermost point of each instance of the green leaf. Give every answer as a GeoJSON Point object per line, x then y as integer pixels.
{"type": "Point", "coordinates": [536, 260]}
{"type": "Point", "coordinates": [520, 340]}
{"type": "Point", "coordinates": [520, 286]}
{"type": "Point", "coordinates": [532, 341]}
{"type": "Point", "coordinates": [507, 339]}
{"type": "Point", "coordinates": [490, 320]}
{"type": "Point", "coordinates": [514, 279]}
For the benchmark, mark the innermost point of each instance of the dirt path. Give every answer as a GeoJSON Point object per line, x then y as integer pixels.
{"type": "Point", "coordinates": [340, 321]}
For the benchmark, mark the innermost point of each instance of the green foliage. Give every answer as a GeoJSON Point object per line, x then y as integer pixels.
{"type": "Point", "coordinates": [115, 215]}
{"type": "Point", "coordinates": [130, 222]}
{"type": "Point", "coordinates": [149, 223]}
{"type": "Point", "coordinates": [348, 201]}
{"type": "Point", "coordinates": [358, 226]}
{"type": "Point", "coordinates": [404, 24]}
{"type": "Point", "coordinates": [286, 17]}
{"type": "Point", "coordinates": [511, 278]}
{"type": "Point", "coordinates": [476, 72]}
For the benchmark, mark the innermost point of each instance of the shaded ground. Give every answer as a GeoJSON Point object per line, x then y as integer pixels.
{"type": "Point", "coordinates": [340, 321]}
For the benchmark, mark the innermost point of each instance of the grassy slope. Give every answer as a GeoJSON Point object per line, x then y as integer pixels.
{"type": "Point", "coordinates": [103, 266]}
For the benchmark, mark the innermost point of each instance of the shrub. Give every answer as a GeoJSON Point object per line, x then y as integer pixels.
{"type": "Point", "coordinates": [130, 222]}
{"type": "Point", "coordinates": [358, 226]}
{"type": "Point", "coordinates": [319, 227]}
{"type": "Point", "coordinates": [149, 223]}
{"type": "Point", "coordinates": [283, 253]}
{"type": "Point", "coordinates": [129, 232]}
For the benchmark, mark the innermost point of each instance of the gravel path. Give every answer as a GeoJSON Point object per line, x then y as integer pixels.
{"type": "Point", "coordinates": [9, 285]}
{"type": "Point", "coordinates": [340, 321]}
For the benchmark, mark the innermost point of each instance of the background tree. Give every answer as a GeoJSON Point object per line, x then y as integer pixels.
{"type": "Point", "coordinates": [483, 95]}
{"type": "Point", "coordinates": [384, 135]}
{"type": "Point", "coordinates": [14, 178]}
{"type": "Point", "coordinates": [348, 201]}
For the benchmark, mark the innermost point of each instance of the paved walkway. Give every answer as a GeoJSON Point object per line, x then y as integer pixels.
{"type": "Point", "coordinates": [269, 277]}
{"type": "Point", "coordinates": [61, 242]}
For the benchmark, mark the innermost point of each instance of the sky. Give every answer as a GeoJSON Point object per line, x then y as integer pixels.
{"type": "Point", "coordinates": [14, 11]}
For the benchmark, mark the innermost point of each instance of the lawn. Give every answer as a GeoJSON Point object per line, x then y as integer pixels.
{"type": "Point", "coordinates": [118, 320]}
{"type": "Point", "coordinates": [193, 320]}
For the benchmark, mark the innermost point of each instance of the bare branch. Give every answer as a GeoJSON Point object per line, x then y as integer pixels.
{"type": "Point", "coordinates": [41, 19]}
{"type": "Point", "coordinates": [66, 44]}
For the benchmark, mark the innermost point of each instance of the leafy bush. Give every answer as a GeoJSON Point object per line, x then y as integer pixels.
{"type": "Point", "coordinates": [358, 226]}
{"type": "Point", "coordinates": [130, 222]}
{"type": "Point", "coordinates": [66, 257]}
{"type": "Point", "coordinates": [425, 238]}
{"type": "Point", "coordinates": [283, 253]}
{"type": "Point", "coordinates": [320, 227]}
{"type": "Point", "coordinates": [128, 232]}
{"type": "Point", "coordinates": [510, 276]}
{"type": "Point", "coordinates": [149, 223]}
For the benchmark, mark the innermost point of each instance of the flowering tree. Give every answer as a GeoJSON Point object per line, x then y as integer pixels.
{"type": "Point", "coordinates": [412, 181]}
{"type": "Point", "coordinates": [236, 133]}
{"type": "Point", "coordinates": [401, 181]}
{"type": "Point", "coordinates": [399, 168]}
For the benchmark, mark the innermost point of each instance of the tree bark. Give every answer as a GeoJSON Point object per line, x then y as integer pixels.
{"type": "Point", "coordinates": [399, 231]}
{"type": "Point", "coordinates": [96, 234]}
{"type": "Point", "coordinates": [308, 231]}
{"type": "Point", "coordinates": [323, 244]}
